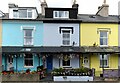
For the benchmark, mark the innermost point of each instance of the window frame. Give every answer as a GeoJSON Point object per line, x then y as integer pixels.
{"type": "Point", "coordinates": [62, 30]}
{"type": "Point", "coordinates": [32, 60]}
{"type": "Point", "coordinates": [23, 28]}
{"type": "Point", "coordinates": [56, 14]}
{"type": "Point", "coordinates": [69, 61]}
{"type": "Point", "coordinates": [107, 59]}
{"type": "Point", "coordinates": [27, 11]}
{"type": "Point", "coordinates": [107, 38]}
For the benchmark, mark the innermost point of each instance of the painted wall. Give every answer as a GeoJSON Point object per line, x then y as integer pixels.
{"type": "Point", "coordinates": [74, 62]}
{"type": "Point", "coordinates": [34, 13]}
{"type": "Point", "coordinates": [89, 34]}
{"type": "Point", "coordinates": [12, 33]}
{"type": "Point", "coordinates": [95, 63]}
{"type": "Point", "coordinates": [52, 36]}
{"type": "Point", "coordinates": [20, 63]}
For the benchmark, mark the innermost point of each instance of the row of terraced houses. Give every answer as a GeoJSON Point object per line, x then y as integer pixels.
{"type": "Point", "coordinates": [59, 37]}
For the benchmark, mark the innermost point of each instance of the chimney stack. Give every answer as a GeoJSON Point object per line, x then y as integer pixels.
{"type": "Point", "coordinates": [75, 5]}
{"type": "Point", "coordinates": [103, 10]}
{"type": "Point", "coordinates": [43, 6]}
{"type": "Point", "coordinates": [12, 5]}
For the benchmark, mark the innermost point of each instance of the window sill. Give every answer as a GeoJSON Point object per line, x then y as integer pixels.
{"type": "Point", "coordinates": [103, 45]}
{"type": "Point", "coordinates": [67, 67]}
{"type": "Point", "coordinates": [28, 45]}
{"type": "Point", "coordinates": [28, 66]}
{"type": "Point", "coordinates": [104, 67]}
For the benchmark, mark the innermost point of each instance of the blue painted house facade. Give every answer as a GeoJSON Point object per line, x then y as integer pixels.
{"type": "Point", "coordinates": [22, 35]}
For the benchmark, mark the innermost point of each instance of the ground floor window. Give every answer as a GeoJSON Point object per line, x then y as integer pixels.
{"type": "Point", "coordinates": [66, 60]}
{"type": "Point", "coordinates": [10, 59]}
{"type": "Point", "coordinates": [104, 60]}
{"type": "Point", "coordinates": [28, 60]}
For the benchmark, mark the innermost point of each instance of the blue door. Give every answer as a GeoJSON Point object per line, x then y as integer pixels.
{"type": "Point", "coordinates": [49, 64]}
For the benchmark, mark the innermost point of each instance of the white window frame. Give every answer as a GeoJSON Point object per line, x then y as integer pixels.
{"type": "Point", "coordinates": [106, 57]}
{"type": "Point", "coordinates": [62, 62]}
{"type": "Point", "coordinates": [32, 59]}
{"type": "Point", "coordinates": [104, 38]}
{"type": "Point", "coordinates": [28, 10]}
{"type": "Point", "coordinates": [58, 14]}
{"type": "Point", "coordinates": [26, 38]}
{"type": "Point", "coordinates": [62, 36]}
{"type": "Point", "coordinates": [25, 28]}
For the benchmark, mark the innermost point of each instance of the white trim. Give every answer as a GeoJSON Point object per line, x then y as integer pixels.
{"type": "Point", "coordinates": [61, 16]}
{"type": "Point", "coordinates": [24, 62]}
{"type": "Point", "coordinates": [104, 37]}
{"type": "Point", "coordinates": [61, 63]}
{"type": "Point", "coordinates": [18, 16]}
{"type": "Point", "coordinates": [28, 27]}
{"type": "Point", "coordinates": [28, 66]}
{"type": "Point", "coordinates": [100, 58]}
{"type": "Point", "coordinates": [62, 36]}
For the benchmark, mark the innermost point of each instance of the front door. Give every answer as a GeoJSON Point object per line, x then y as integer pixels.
{"type": "Point", "coordinates": [49, 63]}
{"type": "Point", "coordinates": [9, 63]}
{"type": "Point", "coordinates": [86, 60]}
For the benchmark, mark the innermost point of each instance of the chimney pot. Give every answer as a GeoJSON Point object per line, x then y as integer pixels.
{"type": "Point", "coordinates": [103, 10]}
{"type": "Point", "coordinates": [43, 6]}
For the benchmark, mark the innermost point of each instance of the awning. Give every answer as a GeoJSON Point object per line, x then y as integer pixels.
{"type": "Point", "coordinates": [98, 49]}
{"type": "Point", "coordinates": [41, 49]}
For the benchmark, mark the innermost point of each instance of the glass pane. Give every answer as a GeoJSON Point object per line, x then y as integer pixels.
{"type": "Point", "coordinates": [66, 61]}
{"type": "Point", "coordinates": [103, 41]}
{"type": "Point", "coordinates": [56, 13]}
{"type": "Point", "coordinates": [28, 41]}
{"type": "Point", "coordinates": [66, 13]}
{"type": "Point", "coordinates": [66, 35]}
{"type": "Point", "coordinates": [66, 42]}
{"type": "Point", "coordinates": [103, 34]}
{"type": "Point", "coordinates": [10, 59]}
{"type": "Point", "coordinates": [105, 62]}
{"type": "Point", "coordinates": [28, 56]}
{"type": "Point", "coordinates": [15, 13]}
{"type": "Point", "coordinates": [29, 14]}
{"type": "Point", "coordinates": [23, 13]}
{"type": "Point", "coordinates": [28, 33]}
{"type": "Point", "coordinates": [61, 14]}
{"type": "Point", "coordinates": [28, 60]}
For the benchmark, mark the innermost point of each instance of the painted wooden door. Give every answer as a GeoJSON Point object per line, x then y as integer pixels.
{"type": "Point", "coordinates": [49, 63]}
{"type": "Point", "coordinates": [86, 60]}
{"type": "Point", "coordinates": [9, 63]}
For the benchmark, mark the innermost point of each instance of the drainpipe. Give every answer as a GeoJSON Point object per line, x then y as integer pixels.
{"type": "Point", "coordinates": [39, 59]}
{"type": "Point", "coordinates": [5, 62]}
{"type": "Point", "coordinates": [103, 64]}
{"type": "Point", "coordinates": [16, 64]}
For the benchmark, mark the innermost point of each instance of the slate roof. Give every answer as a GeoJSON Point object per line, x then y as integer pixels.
{"type": "Point", "coordinates": [99, 19]}
{"type": "Point", "coordinates": [41, 49]}
{"type": "Point", "coordinates": [90, 18]}
{"type": "Point", "coordinates": [98, 49]}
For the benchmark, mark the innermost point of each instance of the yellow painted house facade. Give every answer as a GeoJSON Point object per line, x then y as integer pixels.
{"type": "Point", "coordinates": [100, 34]}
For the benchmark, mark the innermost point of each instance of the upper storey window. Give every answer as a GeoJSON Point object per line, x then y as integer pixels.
{"type": "Point", "coordinates": [22, 13]}
{"type": "Point", "coordinates": [61, 14]}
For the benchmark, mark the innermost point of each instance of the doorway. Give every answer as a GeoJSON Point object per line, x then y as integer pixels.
{"type": "Point", "coordinates": [86, 60]}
